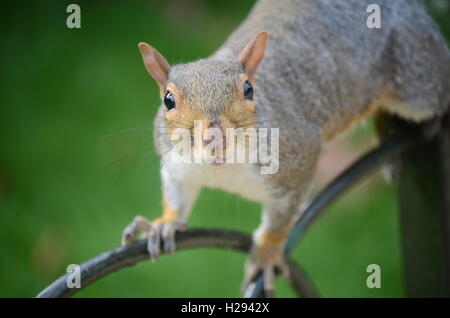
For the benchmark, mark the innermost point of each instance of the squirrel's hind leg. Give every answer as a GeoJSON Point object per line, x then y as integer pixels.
{"type": "Point", "coordinates": [267, 253]}
{"type": "Point", "coordinates": [299, 153]}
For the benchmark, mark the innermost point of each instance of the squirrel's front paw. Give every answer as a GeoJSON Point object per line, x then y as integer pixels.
{"type": "Point", "coordinates": [161, 230]}
{"type": "Point", "coordinates": [266, 258]}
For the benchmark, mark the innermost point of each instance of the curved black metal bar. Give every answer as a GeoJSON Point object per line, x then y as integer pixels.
{"type": "Point", "coordinates": [364, 166]}
{"type": "Point", "coordinates": [129, 255]}
{"type": "Point", "coordinates": [113, 260]}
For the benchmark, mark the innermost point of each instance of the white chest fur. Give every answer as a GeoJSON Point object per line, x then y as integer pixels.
{"type": "Point", "coordinates": [242, 179]}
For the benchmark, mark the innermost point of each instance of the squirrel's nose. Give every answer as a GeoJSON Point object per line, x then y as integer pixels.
{"type": "Point", "coordinates": [216, 124]}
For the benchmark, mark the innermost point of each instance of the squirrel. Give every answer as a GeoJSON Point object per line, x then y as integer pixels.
{"type": "Point", "coordinates": [313, 69]}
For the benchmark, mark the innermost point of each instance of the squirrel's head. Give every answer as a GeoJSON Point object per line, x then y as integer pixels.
{"type": "Point", "coordinates": [218, 93]}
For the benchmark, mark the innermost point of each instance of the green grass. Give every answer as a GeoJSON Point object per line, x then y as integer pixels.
{"type": "Point", "coordinates": [77, 160]}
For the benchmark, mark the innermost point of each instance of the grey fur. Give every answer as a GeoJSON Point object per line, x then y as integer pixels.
{"type": "Point", "coordinates": [323, 69]}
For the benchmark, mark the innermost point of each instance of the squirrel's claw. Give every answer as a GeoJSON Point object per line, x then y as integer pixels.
{"type": "Point", "coordinates": [259, 262]}
{"type": "Point", "coordinates": [153, 241]}
{"type": "Point", "coordinates": [138, 225]}
{"type": "Point", "coordinates": [168, 237]}
{"type": "Point", "coordinates": [156, 232]}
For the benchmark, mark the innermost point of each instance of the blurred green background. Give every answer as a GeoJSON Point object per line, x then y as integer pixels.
{"type": "Point", "coordinates": [77, 161]}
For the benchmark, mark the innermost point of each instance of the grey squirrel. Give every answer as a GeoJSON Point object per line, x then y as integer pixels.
{"type": "Point", "coordinates": [312, 68]}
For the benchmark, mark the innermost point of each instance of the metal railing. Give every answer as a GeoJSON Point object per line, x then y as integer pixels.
{"type": "Point", "coordinates": [424, 204]}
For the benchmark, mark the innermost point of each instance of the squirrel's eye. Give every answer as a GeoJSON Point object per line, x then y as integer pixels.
{"type": "Point", "coordinates": [169, 101]}
{"type": "Point", "coordinates": [248, 90]}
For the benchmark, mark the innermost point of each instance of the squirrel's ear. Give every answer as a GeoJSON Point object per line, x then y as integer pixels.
{"type": "Point", "coordinates": [155, 64]}
{"type": "Point", "coordinates": [253, 53]}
